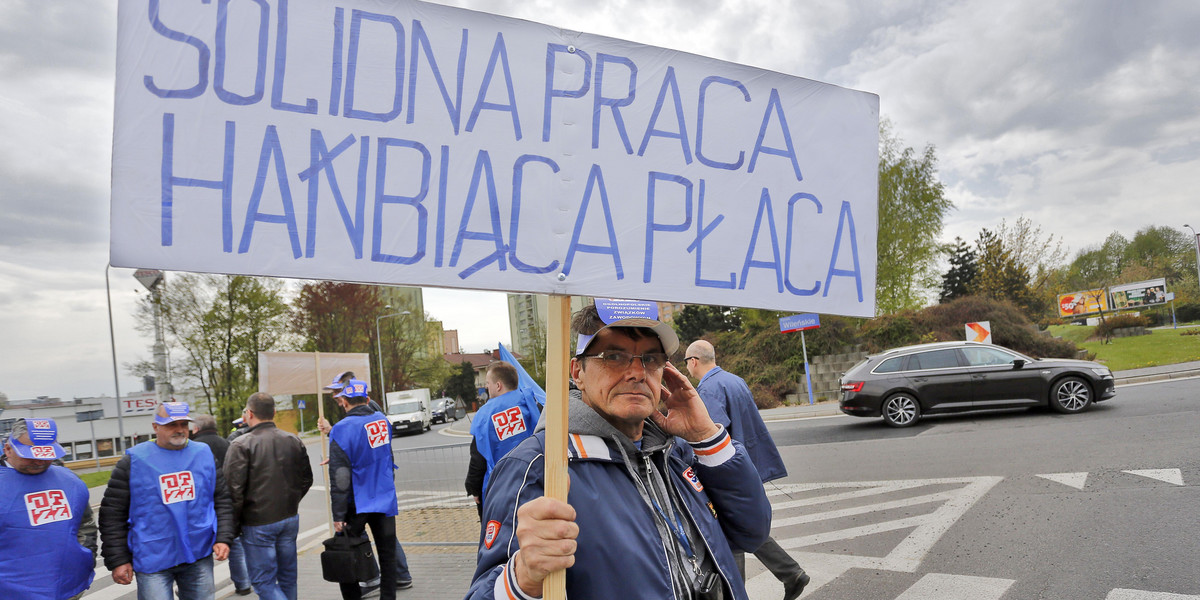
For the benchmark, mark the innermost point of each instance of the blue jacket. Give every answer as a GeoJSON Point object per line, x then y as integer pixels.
{"type": "Point", "coordinates": [730, 404]}
{"type": "Point", "coordinates": [502, 424]}
{"type": "Point", "coordinates": [621, 552]}
{"type": "Point", "coordinates": [361, 465]}
{"type": "Point", "coordinates": [40, 555]}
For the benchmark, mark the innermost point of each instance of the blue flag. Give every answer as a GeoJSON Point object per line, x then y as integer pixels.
{"type": "Point", "coordinates": [525, 382]}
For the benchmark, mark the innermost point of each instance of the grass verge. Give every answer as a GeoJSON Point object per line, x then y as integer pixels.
{"type": "Point", "coordinates": [1161, 347]}
{"type": "Point", "coordinates": [95, 479]}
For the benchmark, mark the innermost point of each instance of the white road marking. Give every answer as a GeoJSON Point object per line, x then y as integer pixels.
{"type": "Point", "coordinates": [1120, 594]}
{"type": "Point", "coordinates": [937, 586]}
{"type": "Point", "coordinates": [908, 554]}
{"type": "Point", "coordinates": [1075, 480]}
{"type": "Point", "coordinates": [1168, 475]}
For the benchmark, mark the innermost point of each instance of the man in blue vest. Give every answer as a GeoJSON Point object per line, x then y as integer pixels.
{"type": "Point", "coordinates": [363, 487]}
{"type": "Point", "coordinates": [43, 512]}
{"type": "Point", "coordinates": [730, 403]}
{"type": "Point", "coordinates": [499, 426]}
{"type": "Point", "coordinates": [403, 577]}
{"type": "Point", "coordinates": [166, 513]}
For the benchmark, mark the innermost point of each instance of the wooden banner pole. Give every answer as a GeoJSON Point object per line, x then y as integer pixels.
{"type": "Point", "coordinates": [324, 443]}
{"type": "Point", "coordinates": [558, 351]}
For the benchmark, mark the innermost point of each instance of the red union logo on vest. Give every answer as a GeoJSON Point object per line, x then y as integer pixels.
{"type": "Point", "coordinates": [177, 487]}
{"type": "Point", "coordinates": [508, 423]}
{"type": "Point", "coordinates": [47, 507]}
{"type": "Point", "coordinates": [377, 433]}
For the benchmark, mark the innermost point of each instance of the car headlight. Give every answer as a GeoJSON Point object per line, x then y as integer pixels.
{"type": "Point", "coordinates": [1103, 372]}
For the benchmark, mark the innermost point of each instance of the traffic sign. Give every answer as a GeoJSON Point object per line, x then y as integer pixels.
{"type": "Point", "coordinates": [799, 322]}
{"type": "Point", "coordinates": [148, 277]}
{"type": "Point", "coordinates": [979, 332]}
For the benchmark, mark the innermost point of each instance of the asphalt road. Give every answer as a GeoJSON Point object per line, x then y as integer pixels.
{"type": "Point", "coordinates": [1015, 504]}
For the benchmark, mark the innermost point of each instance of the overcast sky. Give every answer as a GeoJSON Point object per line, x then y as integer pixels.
{"type": "Point", "coordinates": [1081, 116]}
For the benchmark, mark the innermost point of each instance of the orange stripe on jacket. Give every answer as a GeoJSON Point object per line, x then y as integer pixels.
{"type": "Point", "coordinates": [579, 445]}
{"type": "Point", "coordinates": [715, 449]}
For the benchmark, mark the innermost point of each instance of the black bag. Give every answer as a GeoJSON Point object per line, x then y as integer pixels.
{"type": "Point", "coordinates": [348, 559]}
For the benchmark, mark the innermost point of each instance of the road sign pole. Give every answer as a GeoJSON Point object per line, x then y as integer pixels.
{"type": "Point", "coordinates": [807, 376]}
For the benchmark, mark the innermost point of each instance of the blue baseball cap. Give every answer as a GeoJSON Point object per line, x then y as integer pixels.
{"type": "Point", "coordinates": [630, 313]}
{"type": "Point", "coordinates": [355, 388]}
{"type": "Point", "coordinates": [169, 412]}
{"type": "Point", "coordinates": [337, 381]}
{"type": "Point", "coordinates": [43, 438]}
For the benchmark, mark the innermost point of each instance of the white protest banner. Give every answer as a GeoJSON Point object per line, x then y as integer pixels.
{"type": "Point", "coordinates": [412, 143]}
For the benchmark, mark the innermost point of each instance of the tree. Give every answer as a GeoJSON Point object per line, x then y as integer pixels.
{"type": "Point", "coordinates": [957, 282]}
{"type": "Point", "coordinates": [695, 320]}
{"type": "Point", "coordinates": [912, 205]}
{"type": "Point", "coordinates": [1000, 275]}
{"type": "Point", "coordinates": [216, 325]}
{"type": "Point", "coordinates": [461, 385]}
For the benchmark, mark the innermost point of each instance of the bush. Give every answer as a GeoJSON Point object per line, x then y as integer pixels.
{"type": "Point", "coordinates": [1106, 327]}
{"type": "Point", "coordinates": [1010, 326]}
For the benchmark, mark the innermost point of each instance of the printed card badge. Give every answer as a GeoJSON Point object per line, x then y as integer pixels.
{"type": "Point", "coordinates": [377, 433]}
{"type": "Point", "coordinates": [177, 487]}
{"type": "Point", "coordinates": [47, 506]}
{"type": "Point", "coordinates": [490, 533]}
{"type": "Point", "coordinates": [508, 423]}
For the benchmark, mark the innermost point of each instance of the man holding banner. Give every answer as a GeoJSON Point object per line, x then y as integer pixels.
{"type": "Point", "coordinates": [641, 498]}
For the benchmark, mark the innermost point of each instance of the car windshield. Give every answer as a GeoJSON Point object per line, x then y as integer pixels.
{"type": "Point", "coordinates": [404, 407]}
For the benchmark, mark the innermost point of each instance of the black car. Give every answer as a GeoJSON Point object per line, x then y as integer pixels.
{"type": "Point", "coordinates": [905, 383]}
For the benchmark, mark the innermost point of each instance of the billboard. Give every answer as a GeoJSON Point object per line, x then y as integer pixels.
{"type": "Point", "coordinates": [1082, 303]}
{"type": "Point", "coordinates": [411, 143]}
{"type": "Point", "coordinates": [1141, 293]}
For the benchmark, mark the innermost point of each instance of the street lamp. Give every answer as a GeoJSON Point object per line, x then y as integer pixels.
{"type": "Point", "coordinates": [1196, 239]}
{"type": "Point", "coordinates": [379, 352]}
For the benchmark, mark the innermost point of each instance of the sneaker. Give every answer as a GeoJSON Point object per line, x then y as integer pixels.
{"type": "Point", "coordinates": [404, 585]}
{"type": "Point", "coordinates": [793, 590]}
{"type": "Point", "coordinates": [243, 592]}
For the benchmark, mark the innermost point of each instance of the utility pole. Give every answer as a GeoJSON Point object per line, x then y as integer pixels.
{"type": "Point", "coordinates": [152, 279]}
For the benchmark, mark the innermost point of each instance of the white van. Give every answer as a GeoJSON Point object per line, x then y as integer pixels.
{"type": "Point", "coordinates": [409, 410]}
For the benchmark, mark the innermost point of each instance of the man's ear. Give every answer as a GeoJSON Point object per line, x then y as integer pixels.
{"type": "Point", "coordinates": [576, 369]}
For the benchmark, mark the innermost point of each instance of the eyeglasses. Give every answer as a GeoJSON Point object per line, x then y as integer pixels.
{"type": "Point", "coordinates": [651, 361]}
{"type": "Point", "coordinates": [687, 358]}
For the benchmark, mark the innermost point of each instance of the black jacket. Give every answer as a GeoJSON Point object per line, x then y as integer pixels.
{"type": "Point", "coordinates": [114, 516]}
{"type": "Point", "coordinates": [218, 444]}
{"type": "Point", "coordinates": [268, 472]}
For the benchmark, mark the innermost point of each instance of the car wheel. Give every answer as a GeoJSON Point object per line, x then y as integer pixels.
{"type": "Point", "coordinates": [1070, 395]}
{"type": "Point", "coordinates": [901, 410]}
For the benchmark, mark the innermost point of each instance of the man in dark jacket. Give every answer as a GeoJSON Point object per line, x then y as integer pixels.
{"type": "Point", "coordinates": [166, 513]}
{"type": "Point", "coordinates": [731, 404]}
{"type": "Point", "coordinates": [362, 483]}
{"type": "Point", "coordinates": [268, 472]}
{"type": "Point", "coordinates": [204, 430]}
{"type": "Point", "coordinates": [656, 500]}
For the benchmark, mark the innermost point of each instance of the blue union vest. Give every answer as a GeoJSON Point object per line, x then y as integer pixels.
{"type": "Point", "coordinates": [40, 555]}
{"type": "Point", "coordinates": [367, 442]}
{"type": "Point", "coordinates": [171, 515]}
{"type": "Point", "coordinates": [502, 424]}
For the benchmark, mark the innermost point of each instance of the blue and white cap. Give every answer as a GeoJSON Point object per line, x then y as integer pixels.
{"type": "Point", "coordinates": [630, 313]}
{"type": "Point", "coordinates": [43, 439]}
{"type": "Point", "coordinates": [355, 388]}
{"type": "Point", "coordinates": [169, 412]}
